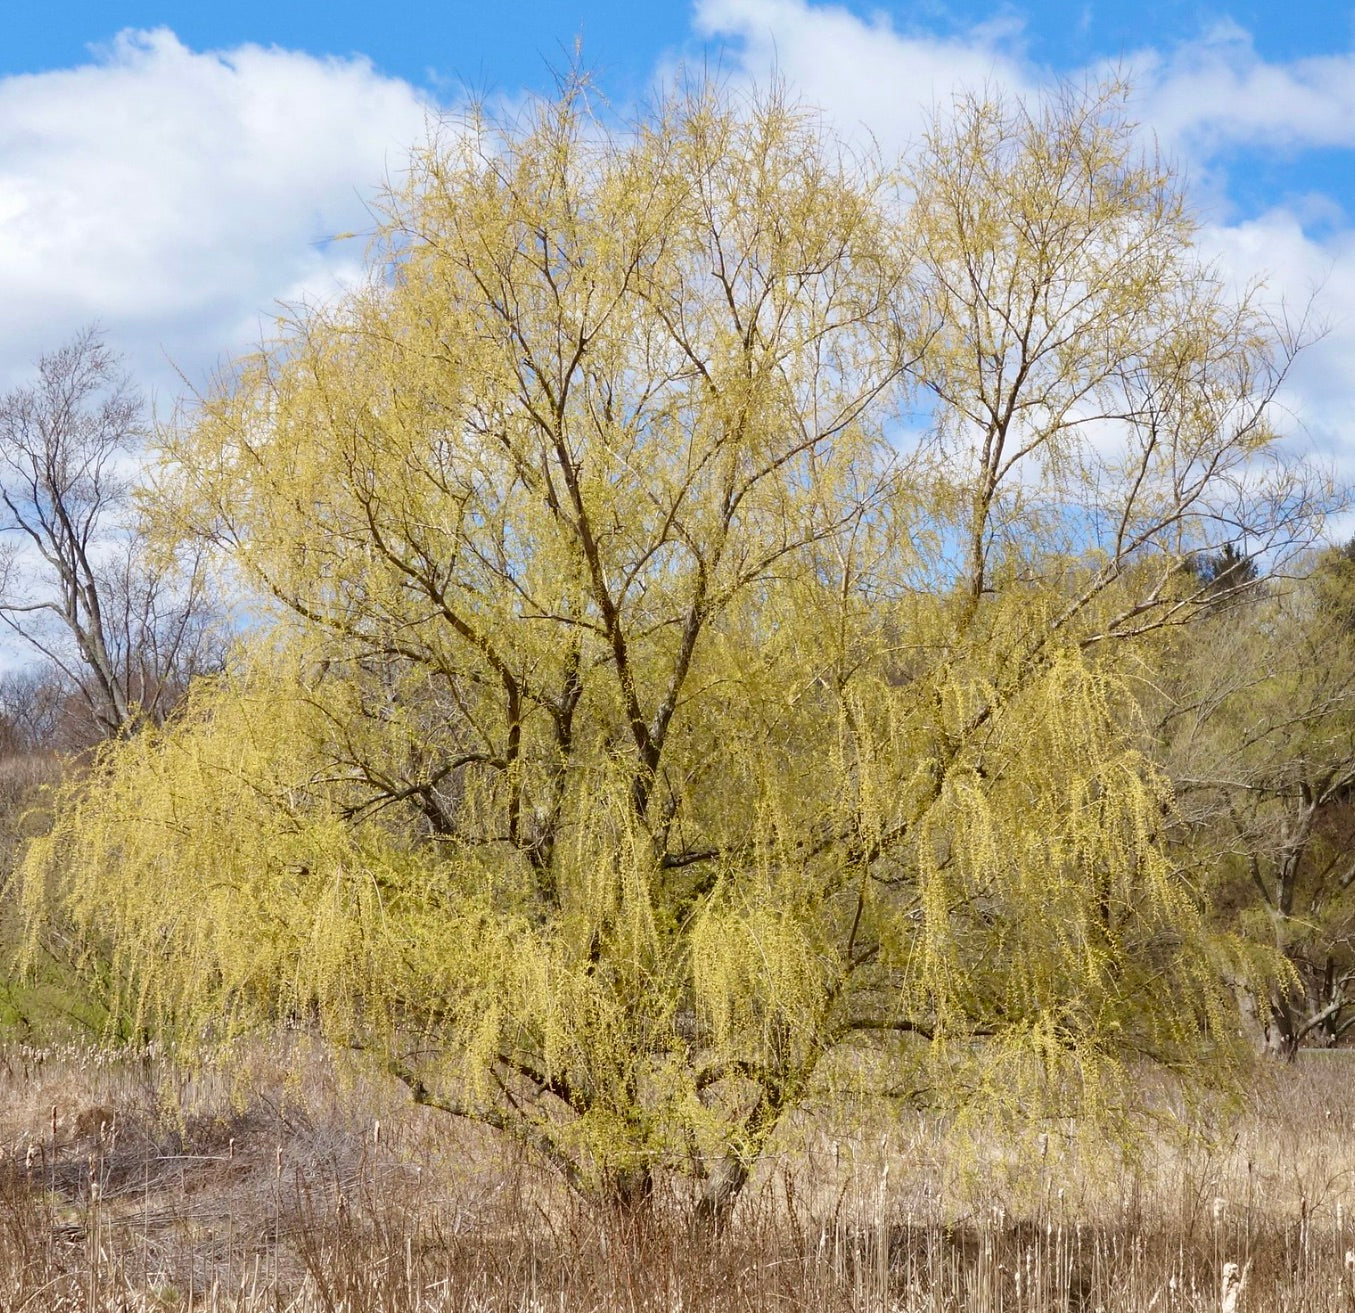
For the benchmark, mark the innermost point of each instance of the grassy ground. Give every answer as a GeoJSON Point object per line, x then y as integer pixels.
{"type": "Point", "coordinates": [289, 1186]}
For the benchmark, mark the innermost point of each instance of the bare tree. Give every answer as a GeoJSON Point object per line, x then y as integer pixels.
{"type": "Point", "coordinates": [123, 621]}
{"type": "Point", "coordinates": [34, 706]}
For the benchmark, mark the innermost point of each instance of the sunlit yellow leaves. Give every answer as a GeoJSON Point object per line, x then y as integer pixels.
{"type": "Point", "coordinates": [649, 730]}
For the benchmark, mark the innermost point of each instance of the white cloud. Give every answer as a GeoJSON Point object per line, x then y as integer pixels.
{"type": "Point", "coordinates": [1308, 280]}
{"type": "Point", "coordinates": [175, 195]}
{"type": "Point", "coordinates": [864, 73]}
{"type": "Point", "coordinates": [1217, 92]}
{"type": "Point", "coordinates": [1213, 93]}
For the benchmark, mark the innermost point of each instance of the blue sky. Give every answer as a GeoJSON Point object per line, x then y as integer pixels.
{"type": "Point", "coordinates": [174, 170]}
{"type": "Point", "coordinates": [442, 44]}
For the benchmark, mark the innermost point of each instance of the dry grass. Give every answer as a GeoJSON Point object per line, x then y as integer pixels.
{"type": "Point", "coordinates": [286, 1185]}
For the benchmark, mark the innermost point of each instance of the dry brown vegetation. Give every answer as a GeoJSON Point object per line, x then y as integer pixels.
{"type": "Point", "coordinates": [285, 1184]}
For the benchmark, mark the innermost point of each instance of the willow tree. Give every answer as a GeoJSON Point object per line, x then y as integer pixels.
{"type": "Point", "coordinates": [702, 566]}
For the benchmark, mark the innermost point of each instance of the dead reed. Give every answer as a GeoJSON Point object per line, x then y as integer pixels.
{"type": "Point", "coordinates": [286, 1184]}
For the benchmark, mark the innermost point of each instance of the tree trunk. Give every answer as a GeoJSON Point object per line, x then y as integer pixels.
{"type": "Point", "coordinates": [1268, 1024]}
{"type": "Point", "coordinates": [718, 1196]}
{"type": "Point", "coordinates": [1281, 1032]}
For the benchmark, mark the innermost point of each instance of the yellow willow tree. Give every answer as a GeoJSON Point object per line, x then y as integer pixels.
{"type": "Point", "coordinates": [703, 566]}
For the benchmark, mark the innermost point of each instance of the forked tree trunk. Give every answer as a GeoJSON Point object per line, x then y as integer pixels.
{"type": "Point", "coordinates": [1267, 1025]}
{"type": "Point", "coordinates": [719, 1193]}
{"type": "Point", "coordinates": [1281, 1034]}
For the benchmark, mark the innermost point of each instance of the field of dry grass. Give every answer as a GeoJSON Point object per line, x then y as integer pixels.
{"type": "Point", "coordinates": [291, 1186]}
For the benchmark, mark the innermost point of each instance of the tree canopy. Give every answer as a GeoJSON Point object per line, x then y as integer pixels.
{"type": "Point", "coordinates": [705, 569]}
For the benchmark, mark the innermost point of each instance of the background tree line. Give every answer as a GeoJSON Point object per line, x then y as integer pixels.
{"type": "Point", "coordinates": [1253, 716]}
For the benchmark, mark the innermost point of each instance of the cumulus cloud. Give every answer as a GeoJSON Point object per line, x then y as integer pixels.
{"type": "Point", "coordinates": [1308, 282]}
{"type": "Point", "coordinates": [1208, 94]}
{"type": "Point", "coordinates": [174, 195]}
{"type": "Point", "coordinates": [865, 73]}
{"type": "Point", "coordinates": [1217, 92]}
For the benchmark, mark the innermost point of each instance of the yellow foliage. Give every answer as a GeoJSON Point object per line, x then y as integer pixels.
{"type": "Point", "coordinates": [647, 731]}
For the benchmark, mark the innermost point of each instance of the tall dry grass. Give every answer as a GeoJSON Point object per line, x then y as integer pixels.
{"type": "Point", "coordinates": [285, 1184]}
